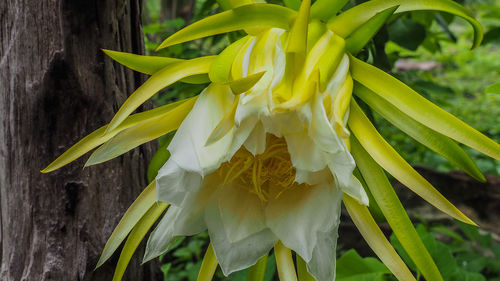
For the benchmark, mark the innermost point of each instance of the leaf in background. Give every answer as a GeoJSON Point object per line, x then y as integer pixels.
{"type": "Point", "coordinates": [494, 89]}
{"type": "Point", "coordinates": [352, 267]}
{"type": "Point", "coordinates": [492, 35]}
{"type": "Point", "coordinates": [407, 33]}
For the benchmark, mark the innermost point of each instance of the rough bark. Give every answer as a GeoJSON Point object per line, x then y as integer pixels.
{"type": "Point", "coordinates": [56, 86]}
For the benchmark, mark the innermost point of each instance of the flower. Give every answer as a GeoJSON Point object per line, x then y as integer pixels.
{"type": "Point", "coordinates": [264, 156]}
{"type": "Point", "coordinates": [277, 174]}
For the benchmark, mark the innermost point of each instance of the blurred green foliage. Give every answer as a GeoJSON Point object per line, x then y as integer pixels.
{"type": "Point", "coordinates": [462, 81]}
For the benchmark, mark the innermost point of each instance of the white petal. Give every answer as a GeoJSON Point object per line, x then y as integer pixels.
{"type": "Point", "coordinates": [356, 190]}
{"type": "Point", "coordinates": [342, 165]}
{"type": "Point", "coordinates": [243, 130]}
{"type": "Point", "coordinates": [188, 145]}
{"type": "Point", "coordinates": [304, 153]}
{"type": "Point", "coordinates": [173, 183]}
{"type": "Point", "coordinates": [321, 131]}
{"type": "Point", "coordinates": [190, 220]}
{"type": "Point", "coordinates": [162, 235]}
{"type": "Point", "coordinates": [241, 212]}
{"type": "Point", "coordinates": [242, 254]}
{"type": "Point", "coordinates": [323, 260]}
{"type": "Point", "coordinates": [313, 178]}
{"type": "Point", "coordinates": [297, 216]}
{"type": "Point", "coordinates": [256, 142]}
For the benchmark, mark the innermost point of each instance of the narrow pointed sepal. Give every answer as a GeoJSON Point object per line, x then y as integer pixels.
{"type": "Point", "coordinates": [248, 16]}
{"type": "Point", "coordinates": [383, 153]}
{"type": "Point", "coordinates": [422, 110]}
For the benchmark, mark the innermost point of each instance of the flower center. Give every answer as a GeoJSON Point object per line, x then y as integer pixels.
{"type": "Point", "coordinates": [266, 175]}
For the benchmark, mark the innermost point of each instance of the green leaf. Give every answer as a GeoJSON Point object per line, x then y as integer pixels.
{"type": "Point", "coordinates": [161, 79]}
{"type": "Point", "coordinates": [494, 89]}
{"type": "Point", "coordinates": [99, 137]}
{"type": "Point", "coordinates": [407, 33]}
{"type": "Point", "coordinates": [248, 16]}
{"type": "Point", "coordinates": [352, 267]}
{"type": "Point", "coordinates": [136, 236]}
{"type": "Point", "coordinates": [142, 133]}
{"type": "Point", "coordinates": [417, 107]}
{"type": "Point", "coordinates": [350, 20]}
{"type": "Point", "coordinates": [428, 137]}
{"type": "Point", "coordinates": [326, 9]}
{"type": "Point", "coordinates": [392, 162]}
{"type": "Point", "coordinates": [376, 238]}
{"type": "Point", "coordinates": [360, 37]}
{"type": "Point", "coordinates": [394, 212]}
{"type": "Point", "coordinates": [130, 219]}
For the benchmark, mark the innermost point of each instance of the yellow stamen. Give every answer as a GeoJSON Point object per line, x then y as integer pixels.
{"type": "Point", "coordinates": [266, 175]}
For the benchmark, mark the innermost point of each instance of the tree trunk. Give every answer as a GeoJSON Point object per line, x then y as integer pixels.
{"type": "Point", "coordinates": [56, 86]}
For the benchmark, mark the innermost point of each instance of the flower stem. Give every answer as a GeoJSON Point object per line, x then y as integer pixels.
{"type": "Point", "coordinates": [284, 262]}
{"type": "Point", "coordinates": [208, 266]}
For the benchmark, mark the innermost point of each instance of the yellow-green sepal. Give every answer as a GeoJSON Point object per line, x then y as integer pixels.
{"type": "Point", "coordinates": [373, 207]}
{"type": "Point", "coordinates": [297, 38]}
{"type": "Point", "coordinates": [376, 238]}
{"type": "Point", "coordinates": [394, 211]}
{"type": "Point", "coordinates": [208, 265]}
{"type": "Point", "coordinates": [424, 135]}
{"type": "Point", "coordinates": [257, 272]}
{"type": "Point", "coordinates": [326, 9]}
{"type": "Point", "coordinates": [130, 219]}
{"type": "Point", "coordinates": [385, 155]}
{"type": "Point", "coordinates": [99, 137]}
{"type": "Point", "coordinates": [350, 20]}
{"type": "Point", "coordinates": [361, 36]}
{"type": "Point", "coordinates": [422, 110]}
{"type": "Point", "coordinates": [142, 133]}
{"type": "Point", "coordinates": [161, 79]}
{"type": "Point", "coordinates": [220, 70]}
{"type": "Point", "coordinates": [136, 236]}
{"type": "Point", "coordinates": [151, 64]}
{"type": "Point", "coordinates": [248, 16]}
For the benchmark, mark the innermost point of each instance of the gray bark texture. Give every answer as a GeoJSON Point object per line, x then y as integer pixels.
{"type": "Point", "coordinates": [56, 86]}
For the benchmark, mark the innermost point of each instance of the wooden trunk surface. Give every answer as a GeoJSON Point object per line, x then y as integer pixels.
{"type": "Point", "coordinates": [56, 86]}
